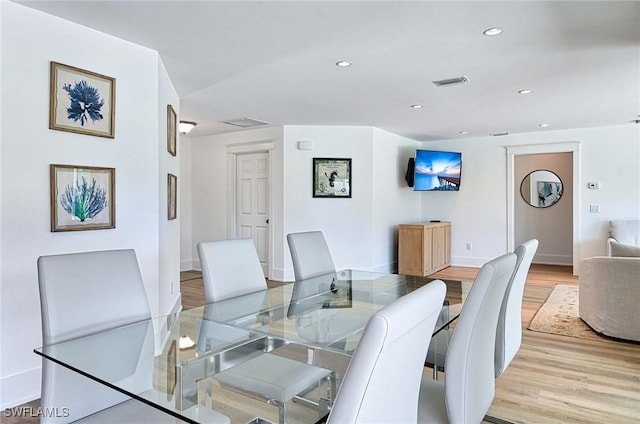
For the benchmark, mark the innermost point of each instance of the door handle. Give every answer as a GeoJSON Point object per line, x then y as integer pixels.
{"type": "Point", "coordinates": [267, 221]}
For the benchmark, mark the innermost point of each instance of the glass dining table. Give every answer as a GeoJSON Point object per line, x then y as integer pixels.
{"type": "Point", "coordinates": [170, 362]}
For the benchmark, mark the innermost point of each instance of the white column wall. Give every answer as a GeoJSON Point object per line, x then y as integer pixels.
{"type": "Point", "coordinates": [168, 282]}
{"type": "Point", "coordinates": [29, 41]}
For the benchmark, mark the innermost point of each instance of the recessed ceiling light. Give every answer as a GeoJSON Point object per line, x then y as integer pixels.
{"type": "Point", "coordinates": [463, 132]}
{"type": "Point", "coordinates": [543, 125]}
{"type": "Point", "coordinates": [416, 106]}
{"type": "Point", "coordinates": [343, 64]}
{"type": "Point", "coordinates": [525, 91]}
{"type": "Point", "coordinates": [492, 31]}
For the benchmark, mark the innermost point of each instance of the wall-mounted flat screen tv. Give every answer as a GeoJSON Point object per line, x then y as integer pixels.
{"type": "Point", "coordinates": [437, 171]}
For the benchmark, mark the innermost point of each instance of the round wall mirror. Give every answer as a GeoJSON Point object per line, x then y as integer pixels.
{"type": "Point", "coordinates": [541, 188]}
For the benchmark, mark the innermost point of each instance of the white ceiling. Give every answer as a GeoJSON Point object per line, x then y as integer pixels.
{"type": "Point", "coordinates": [275, 61]}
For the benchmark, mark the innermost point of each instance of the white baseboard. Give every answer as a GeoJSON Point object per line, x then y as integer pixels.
{"type": "Point", "coordinates": [20, 388]}
{"type": "Point", "coordinates": [550, 259]}
{"type": "Point", "coordinates": [189, 265]}
{"type": "Point", "coordinates": [469, 262]}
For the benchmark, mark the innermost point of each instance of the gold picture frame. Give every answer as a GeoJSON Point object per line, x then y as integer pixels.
{"type": "Point", "coordinates": [82, 198]}
{"type": "Point", "coordinates": [81, 101]}
{"type": "Point", "coordinates": [172, 197]}
{"type": "Point", "coordinates": [172, 126]}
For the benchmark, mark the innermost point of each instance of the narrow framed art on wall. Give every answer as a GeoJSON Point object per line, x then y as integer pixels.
{"type": "Point", "coordinates": [82, 198]}
{"type": "Point", "coordinates": [172, 126]}
{"type": "Point", "coordinates": [81, 101]}
{"type": "Point", "coordinates": [172, 196]}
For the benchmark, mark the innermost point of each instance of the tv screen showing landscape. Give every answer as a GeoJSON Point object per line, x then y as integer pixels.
{"type": "Point", "coordinates": [437, 171]}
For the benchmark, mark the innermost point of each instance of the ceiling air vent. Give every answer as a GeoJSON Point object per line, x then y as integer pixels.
{"type": "Point", "coordinates": [245, 122]}
{"type": "Point", "coordinates": [451, 81]}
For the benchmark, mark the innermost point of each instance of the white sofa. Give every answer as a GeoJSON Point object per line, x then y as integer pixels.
{"type": "Point", "coordinates": [610, 285]}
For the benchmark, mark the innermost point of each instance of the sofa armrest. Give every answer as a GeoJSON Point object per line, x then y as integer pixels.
{"type": "Point", "coordinates": [610, 294]}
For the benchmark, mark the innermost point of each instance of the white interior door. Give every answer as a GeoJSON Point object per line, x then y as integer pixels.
{"type": "Point", "coordinates": [253, 202]}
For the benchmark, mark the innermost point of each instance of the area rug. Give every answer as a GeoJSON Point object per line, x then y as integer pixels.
{"type": "Point", "coordinates": [559, 315]}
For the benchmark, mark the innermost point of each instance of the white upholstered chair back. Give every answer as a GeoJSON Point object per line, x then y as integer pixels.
{"type": "Point", "coordinates": [310, 254]}
{"type": "Point", "coordinates": [80, 294]}
{"type": "Point", "coordinates": [382, 381]}
{"type": "Point", "coordinates": [470, 380]}
{"type": "Point", "coordinates": [230, 268]}
{"type": "Point", "coordinates": [509, 331]}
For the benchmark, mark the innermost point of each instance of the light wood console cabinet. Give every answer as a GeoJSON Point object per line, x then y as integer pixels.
{"type": "Point", "coordinates": [424, 248]}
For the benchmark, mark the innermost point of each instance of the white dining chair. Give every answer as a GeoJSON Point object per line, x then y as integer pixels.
{"type": "Point", "coordinates": [231, 268]}
{"type": "Point", "coordinates": [84, 293]}
{"type": "Point", "coordinates": [310, 254]}
{"type": "Point", "coordinates": [382, 381]}
{"type": "Point", "coordinates": [509, 330]}
{"type": "Point", "coordinates": [469, 387]}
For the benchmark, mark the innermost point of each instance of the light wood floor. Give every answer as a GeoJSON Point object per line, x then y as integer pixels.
{"type": "Point", "coordinates": [553, 379]}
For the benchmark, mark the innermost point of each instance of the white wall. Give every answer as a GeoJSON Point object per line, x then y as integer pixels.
{"type": "Point", "coordinates": [29, 41]}
{"type": "Point", "coordinates": [361, 231]}
{"type": "Point", "coordinates": [210, 193]}
{"type": "Point", "coordinates": [185, 186]}
{"type": "Point", "coordinates": [609, 155]}
{"type": "Point", "coordinates": [394, 202]}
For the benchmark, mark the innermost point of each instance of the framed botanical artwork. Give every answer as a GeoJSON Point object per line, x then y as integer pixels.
{"type": "Point", "coordinates": [331, 177]}
{"type": "Point", "coordinates": [172, 127]}
{"type": "Point", "coordinates": [81, 101]}
{"type": "Point", "coordinates": [82, 198]}
{"type": "Point", "coordinates": [172, 196]}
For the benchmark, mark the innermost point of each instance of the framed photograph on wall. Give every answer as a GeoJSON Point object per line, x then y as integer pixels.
{"type": "Point", "coordinates": [82, 198]}
{"type": "Point", "coordinates": [172, 128]}
{"type": "Point", "coordinates": [172, 197]}
{"type": "Point", "coordinates": [331, 177]}
{"type": "Point", "coordinates": [81, 101]}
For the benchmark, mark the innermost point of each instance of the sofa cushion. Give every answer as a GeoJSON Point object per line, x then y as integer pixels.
{"type": "Point", "coordinates": [624, 250]}
{"type": "Point", "coordinates": [625, 231]}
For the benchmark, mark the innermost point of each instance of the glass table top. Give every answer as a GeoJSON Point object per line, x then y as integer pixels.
{"type": "Point", "coordinates": [165, 361]}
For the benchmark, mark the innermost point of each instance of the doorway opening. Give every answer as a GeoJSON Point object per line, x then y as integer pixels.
{"type": "Point", "coordinates": [250, 206]}
{"type": "Point", "coordinates": [513, 190]}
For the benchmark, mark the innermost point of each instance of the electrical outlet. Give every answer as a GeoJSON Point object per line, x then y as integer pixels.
{"type": "Point", "coordinates": [594, 208]}
{"type": "Point", "coordinates": [469, 246]}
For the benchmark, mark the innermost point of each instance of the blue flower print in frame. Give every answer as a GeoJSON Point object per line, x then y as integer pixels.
{"type": "Point", "coordinates": [81, 101]}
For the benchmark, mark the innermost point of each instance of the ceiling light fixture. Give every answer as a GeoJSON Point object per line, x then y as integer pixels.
{"type": "Point", "coordinates": [492, 31]}
{"type": "Point", "coordinates": [185, 126]}
{"type": "Point", "coordinates": [463, 132]}
{"type": "Point", "coordinates": [343, 64]}
{"type": "Point", "coordinates": [543, 125]}
{"type": "Point", "coordinates": [525, 91]}
{"type": "Point", "coordinates": [417, 106]}
{"type": "Point", "coordinates": [185, 342]}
